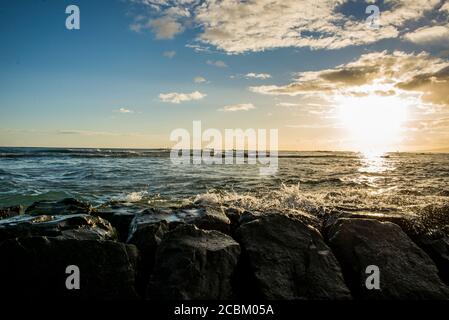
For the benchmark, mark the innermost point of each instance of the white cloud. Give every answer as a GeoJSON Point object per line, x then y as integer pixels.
{"type": "Point", "coordinates": [433, 36]}
{"type": "Point", "coordinates": [238, 107]}
{"type": "Point", "coordinates": [287, 104]}
{"type": "Point", "coordinates": [240, 26]}
{"type": "Point", "coordinates": [165, 27]}
{"type": "Point", "coordinates": [199, 80]}
{"type": "Point", "coordinates": [125, 110]}
{"type": "Point", "coordinates": [169, 54]}
{"type": "Point", "coordinates": [217, 63]}
{"type": "Point", "coordinates": [253, 75]}
{"type": "Point", "coordinates": [175, 97]}
{"type": "Point", "coordinates": [379, 73]}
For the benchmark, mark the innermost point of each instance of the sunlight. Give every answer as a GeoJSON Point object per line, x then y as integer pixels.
{"type": "Point", "coordinates": [373, 122]}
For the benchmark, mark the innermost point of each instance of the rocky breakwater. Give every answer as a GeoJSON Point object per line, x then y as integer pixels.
{"type": "Point", "coordinates": [202, 252]}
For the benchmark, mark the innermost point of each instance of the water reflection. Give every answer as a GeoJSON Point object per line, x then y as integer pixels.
{"type": "Point", "coordinates": [374, 162]}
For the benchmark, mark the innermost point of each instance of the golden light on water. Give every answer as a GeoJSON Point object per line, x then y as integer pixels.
{"type": "Point", "coordinates": [373, 123]}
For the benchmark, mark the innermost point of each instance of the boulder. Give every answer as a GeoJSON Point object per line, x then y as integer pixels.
{"type": "Point", "coordinates": [119, 215]}
{"type": "Point", "coordinates": [11, 212]}
{"type": "Point", "coordinates": [147, 239]}
{"type": "Point", "coordinates": [79, 226]}
{"type": "Point", "coordinates": [436, 245]}
{"type": "Point", "coordinates": [35, 268]}
{"type": "Point", "coordinates": [285, 259]}
{"type": "Point", "coordinates": [207, 218]}
{"type": "Point", "coordinates": [406, 271]}
{"type": "Point", "coordinates": [194, 264]}
{"type": "Point", "coordinates": [67, 206]}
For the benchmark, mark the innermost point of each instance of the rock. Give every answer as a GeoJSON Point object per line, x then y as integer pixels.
{"type": "Point", "coordinates": [194, 264]}
{"type": "Point", "coordinates": [147, 239]}
{"type": "Point", "coordinates": [283, 258]}
{"type": "Point", "coordinates": [406, 271]}
{"type": "Point", "coordinates": [406, 223]}
{"type": "Point", "coordinates": [81, 227]}
{"type": "Point", "coordinates": [436, 245]}
{"type": "Point", "coordinates": [119, 216]}
{"type": "Point", "coordinates": [64, 207]}
{"type": "Point", "coordinates": [35, 268]}
{"type": "Point", "coordinates": [206, 218]}
{"type": "Point", "coordinates": [11, 212]}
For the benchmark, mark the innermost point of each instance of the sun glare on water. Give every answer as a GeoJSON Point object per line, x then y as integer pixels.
{"type": "Point", "coordinates": [373, 123]}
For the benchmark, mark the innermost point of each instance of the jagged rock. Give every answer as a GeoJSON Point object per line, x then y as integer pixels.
{"type": "Point", "coordinates": [406, 271]}
{"type": "Point", "coordinates": [11, 212]}
{"type": "Point", "coordinates": [206, 218]}
{"type": "Point", "coordinates": [81, 227]}
{"type": "Point", "coordinates": [436, 245]}
{"type": "Point", "coordinates": [147, 239]}
{"type": "Point", "coordinates": [64, 207]}
{"type": "Point", "coordinates": [35, 268]}
{"type": "Point", "coordinates": [119, 215]}
{"type": "Point", "coordinates": [283, 258]}
{"type": "Point", "coordinates": [194, 264]}
{"type": "Point", "coordinates": [209, 218]}
{"type": "Point", "coordinates": [406, 223]}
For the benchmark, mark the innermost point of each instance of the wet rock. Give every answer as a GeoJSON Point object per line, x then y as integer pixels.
{"type": "Point", "coordinates": [81, 227]}
{"type": "Point", "coordinates": [194, 264]}
{"type": "Point", "coordinates": [119, 216]}
{"type": "Point", "coordinates": [64, 207]}
{"type": "Point", "coordinates": [436, 245]}
{"type": "Point", "coordinates": [209, 218]}
{"type": "Point", "coordinates": [405, 222]}
{"type": "Point", "coordinates": [147, 239]}
{"type": "Point", "coordinates": [35, 268]}
{"type": "Point", "coordinates": [11, 212]}
{"type": "Point", "coordinates": [406, 271]}
{"type": "Point", "coordinates": [206, 218]}
{"type": "Point", "coordinates": [283, 258]}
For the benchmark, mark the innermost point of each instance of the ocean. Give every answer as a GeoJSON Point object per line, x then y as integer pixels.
{"type": "Point", "coordinates": [400, 183]}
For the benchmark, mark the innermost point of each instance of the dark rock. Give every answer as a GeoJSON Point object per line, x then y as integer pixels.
{"type": "Point", "coordinates": [283, 258]}
{"type": "Point", "coordinates": [35, 268]}
{"type": "Point", "coordinates": [206, 218]}
{"type": "Point", "coordinates": [81, 227]}
{"type": "Point", "coordinates": [405, 222]}
{"type": "Point", "coordinates": [11, 212]}
{"type": "Point", "coordinates": [436, 245]}
{"type": "Point", "coordinates": [406, 271]}
{"type": "Point", "coordinates": [194, 264]}
{"type": "Point", "coordinates": [119, 215]}
{"type": "Point", "coordinates": [147, 239]}
{"type": "Point", "coordinates": [64, 207]}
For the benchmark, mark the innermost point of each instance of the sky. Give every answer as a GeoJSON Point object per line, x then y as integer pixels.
{"type": "Point", "coordinates": [317, 71]}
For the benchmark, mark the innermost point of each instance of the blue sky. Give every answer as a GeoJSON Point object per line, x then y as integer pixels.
{"type": "Point", "coordinates": [101, 86]}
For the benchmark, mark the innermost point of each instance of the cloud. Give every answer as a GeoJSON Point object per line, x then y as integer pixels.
{"type": "Point", "coordinates": [177, 98]}
{"type": "Point", "coordinates": [253, 75]}
{"type": "Point", "coordinates": [87, 133]}
{"type": "Point", "coordinates": [169, 54]}
{"type": "Point", "coordinates": [165, 27]}
{"type": "Point", "coordinates": [240, 26]}
{"type": "Point", "coordinates": [430, 36]}
{"type": "Point", "coordinates": [287, 104]}
{"type": "Point", "coordinates": [125, 110]}
{"type": "Point", "coordinates": [199, 80]}
{"type": "Point", "coordinates": [379, 73]}
{"type": "Point", "coordinates": [238, 107]}
{"type": "Point", "coordinates": [217, 63]}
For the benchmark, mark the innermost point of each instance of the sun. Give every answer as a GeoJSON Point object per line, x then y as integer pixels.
{"type": "Point", "coordinates": [373, 123]}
